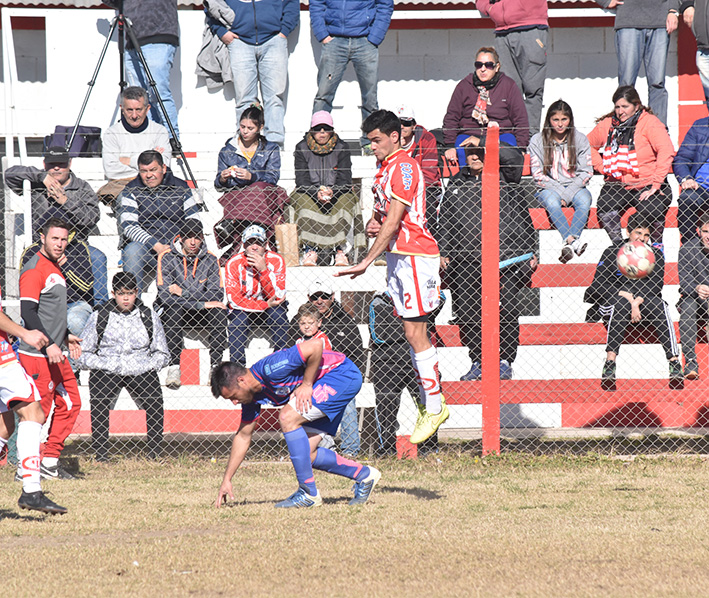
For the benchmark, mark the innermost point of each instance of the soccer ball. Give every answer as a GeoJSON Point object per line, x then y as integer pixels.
{"type": "Point", "coordinates": [635, 259]}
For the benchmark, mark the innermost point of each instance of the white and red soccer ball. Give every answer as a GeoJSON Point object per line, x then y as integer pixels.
{"type": "Point", "coordinates": [635, 259]}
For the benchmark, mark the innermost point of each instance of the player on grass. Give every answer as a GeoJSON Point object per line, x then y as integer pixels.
{"type": "Point", "coordinates": [313, 387]}
{"type": "Point", "coordinates": [399, 227]}
{"type": "Point", "coordinates": [19, 394]}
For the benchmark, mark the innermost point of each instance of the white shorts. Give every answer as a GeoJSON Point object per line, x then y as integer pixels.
{"type": "Point", "coordinates": [414, 284]}
{"type": "Point", "coordinates": [16, 385]}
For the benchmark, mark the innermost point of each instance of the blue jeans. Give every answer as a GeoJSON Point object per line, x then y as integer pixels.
{"type": "Point", "coordinates": [364, 56]}
{"type": "Point", "coordinates": [99, 269]}
{"type": "Point", "coordinates": [703, 68]}
{"type": "Point", "coordinates": [581, 203]}
{"type": "Point", "coordinates": [159, 58]}
{"type": "Point", "coordinates": [139, 260]}
{"type": "Point", "coordinates": [349, 430]}
{"type": "Point", "coordinates": [77, 314]}
{"type": "Point", "coordinates": [274, 319]}
{"type": "Point", "coordinates": [649, 47]}
{"type": "Point", "coordinates": [267, 65]}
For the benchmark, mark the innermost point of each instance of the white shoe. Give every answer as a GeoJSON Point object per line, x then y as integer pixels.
{"type": "Point", "coordinates": [174, 377]}
{"type": "Point", "coordinates": [341, 259]}
{"type": "Point", "coordinates": [578, 247]}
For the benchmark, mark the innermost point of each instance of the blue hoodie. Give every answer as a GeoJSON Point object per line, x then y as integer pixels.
{"type": "Point", "coordinates": [351, 18]}
{"type": "Point", "coordinates": [257, 21]}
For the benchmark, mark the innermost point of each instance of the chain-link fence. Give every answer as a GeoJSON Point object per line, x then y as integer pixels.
{"type": "Point", "coordinates": [583, 363]}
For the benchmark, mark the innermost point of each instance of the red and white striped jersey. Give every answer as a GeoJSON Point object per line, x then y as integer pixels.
{"type": "Point", "coordinates": [249, 290]}
{"type": "Point", "coordinates": [6, 353]}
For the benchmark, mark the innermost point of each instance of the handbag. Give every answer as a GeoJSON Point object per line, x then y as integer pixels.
{"type": "Point", "coordinates": [287, 241]}
{"type": "Point", "coordinates": [86, 143]}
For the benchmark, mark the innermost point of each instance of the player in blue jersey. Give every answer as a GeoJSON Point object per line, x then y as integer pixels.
{"type": "Point", "coordinates": [313, 387]}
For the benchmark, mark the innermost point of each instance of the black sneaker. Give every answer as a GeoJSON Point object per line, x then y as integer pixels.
{"type": "Point", "coordinates": [37, 501]}
{"type": "Point", "coordinates": [691, 370]}
{"type": "Point", "coordinates": [676, 375]}
{"type": "Point", "coordinates": [608, 376]}
{"type": "Point", "coordinates": [567, 254]}
{"type": "Point", "coordinates": [57, 472]}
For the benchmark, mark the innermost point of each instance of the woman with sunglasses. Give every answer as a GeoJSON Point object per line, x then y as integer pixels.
{"type": "Point", "coordinates": [323, 205]}
{"type": "Point", "coordinates": [485, 95]}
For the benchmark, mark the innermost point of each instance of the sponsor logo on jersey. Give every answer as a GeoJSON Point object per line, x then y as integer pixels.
{"type": "Point", "coordinates": [406, 175]}
{"type": "Point", "coordinates": [274, 367]}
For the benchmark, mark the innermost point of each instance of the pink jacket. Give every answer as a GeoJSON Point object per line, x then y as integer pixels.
{"type": "Point", "coordinates": [508, 14]}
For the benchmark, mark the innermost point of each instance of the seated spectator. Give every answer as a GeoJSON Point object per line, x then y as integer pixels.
{"type": "Point", "coordinates": [255, 280]}
{"type": "Point", "coordinates": [190, 295]}
{"type": "Point", "coordinates": [391, 372]}
{"type": "Point", "coordinates": [631, 148]}
{"type": "Point", "coordinates": [421, 145]}
{"type": "Point", "coordinates": [341, 328]}
{"type": "Point", "coordinates": [309, 321]}
{"type": "Point", "coordinates": [461, 210]}
{"type": "Point", "coordinates": [625, 304]}
{"type": "Point", "coordinates": [561, 166]}
{"type": "Point", "coordinates": [124, 346]}
{"type": "Point", "coordinates": [691, 167]}
{"type": "Point", "coordinates": [249, 169]}
{"type": "Point", "coordinates": [124, 141]}
{"type": "Point", "coordinates": [693, 266]}
{"type": "Point", "coordinates": [485, 95]}
{"type": "Point", "coordinates": [57, 192]}
{"type": "Point", "coordinates": [324, 206]}
{"type": "Point", "coordinates": [151, 210]}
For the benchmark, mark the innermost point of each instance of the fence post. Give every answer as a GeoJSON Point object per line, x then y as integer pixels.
{"type": "Point", "coordinates": [491, 292]}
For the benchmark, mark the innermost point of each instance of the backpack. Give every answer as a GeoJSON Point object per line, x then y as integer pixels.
{"type": "Point", "coordinates": [104, 311]}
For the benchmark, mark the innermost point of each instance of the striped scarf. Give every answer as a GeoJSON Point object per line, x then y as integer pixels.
{"type": "Point", "coordinates": [619, 155]}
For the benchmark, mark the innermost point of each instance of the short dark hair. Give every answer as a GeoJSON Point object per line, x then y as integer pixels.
{"type": "Point", "coordinates": [124, 280]}
{"type": "Point", "coordinates": [147, 157]}
{"type": "Point", "coordinates": [638, 221]}
{"type": "Point", "coordinates": [225, 375]}
{"type": "Point", "coordinates": [134, 93]}
{"type": "Point", "coordinates": [55, 223]}
{"type": "Point", "coordinates": [384, 120]}
{"type": "Point", "coordinates": [703, 219]}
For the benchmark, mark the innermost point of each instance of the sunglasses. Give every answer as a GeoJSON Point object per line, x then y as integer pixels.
{"type": "Point", "coordinates": [488, 65]}
{"type": "Point", "coordinates": [407, 122]}
{"type": "Point", "coordinates": [317, 296]}
{"type": "Point", "coordinates": [320, 128]}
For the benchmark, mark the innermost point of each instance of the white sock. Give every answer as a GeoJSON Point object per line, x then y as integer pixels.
{"type": "Point", "coordinates": [428, 378]}
{"type": "Point", "coordinates": [50, 461]}
{"type": "Point", "coordinates": [3, 442]}
{"type": "Point", "coordinates": [28, 436]}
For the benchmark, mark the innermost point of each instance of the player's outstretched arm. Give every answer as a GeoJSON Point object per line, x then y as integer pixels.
{"type": "Point", "coordinates": [239, 446]}
{"type": "Point", "coordinates": [34, 338]}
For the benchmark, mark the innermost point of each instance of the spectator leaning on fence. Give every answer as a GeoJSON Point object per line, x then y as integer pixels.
{"type": "Point", "coordinates": [124, 346]}
{"type": "Point", "coordinates": [255, 281]}
{"type": "Point", "coordinates": [324, 205]}
{"type": "Point", "coordinates": [57, 192]}
{"type": "Point", "coordinates": [124, 141]}
{"type": "Point", "coordinates": [693, 266]}
{"type": "Point", "coordinates": [561, 166]}
{"type": "Point", "coordinates": [151, 210]}
{"type": "Point", "coordinates": [624, 304]}
{"type": "Point", "coordinates": [190, 295]}
{"type": "Point", "coordinates": [630, 147]}
{"type": "Point", "coordinates": [700, 28]}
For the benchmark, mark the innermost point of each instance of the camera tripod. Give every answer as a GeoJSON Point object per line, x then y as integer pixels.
{"type": "Point", "coordinates": [125, 30]}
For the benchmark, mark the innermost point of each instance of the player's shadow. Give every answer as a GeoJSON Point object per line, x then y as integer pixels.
{"type": "Point", "coordinates": [7, 514]}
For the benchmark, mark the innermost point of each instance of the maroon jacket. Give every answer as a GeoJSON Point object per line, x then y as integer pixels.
{"type": "Point", "coordinates": [507, 109]}
{"type": "Point", "coordinates": [510, 14]}
{"type": "Point", "coordinates": [425, 151]}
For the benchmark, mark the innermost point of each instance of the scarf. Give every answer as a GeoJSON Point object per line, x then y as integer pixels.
{"type": "Point", "coordinates": [130, 129]}
{"type": "Point", "coordinates": [483, 101]}
{"type": "Point", "coordinates": [318, 149]}
{"type": "Point", "coordinates": [619, 155]}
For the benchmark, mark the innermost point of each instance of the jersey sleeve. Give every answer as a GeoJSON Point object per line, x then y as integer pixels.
{"type": "Point", "coordinates": [404, 182]}
{"type": "Point", "coordinates": [250, 412]}
{"type": "Point", "coordinates": [31, 284]}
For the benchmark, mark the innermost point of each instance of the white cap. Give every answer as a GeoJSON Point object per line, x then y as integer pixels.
{"type": "Point", "coordinates": [320, 286]}
{"type": "Point", "coordinates": [405, 112]}
{"type": "Point", "coordinates": [254, 232]}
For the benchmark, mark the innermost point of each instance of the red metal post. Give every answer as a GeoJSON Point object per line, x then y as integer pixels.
{"type": "Point", "coordinates": [491, 292]}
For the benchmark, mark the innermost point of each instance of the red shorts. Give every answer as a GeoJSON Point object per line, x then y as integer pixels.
{"type": "Point", "coordinates": [56, 381]}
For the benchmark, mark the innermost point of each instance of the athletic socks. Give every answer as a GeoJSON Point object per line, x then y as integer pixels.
{"type": "Point", "coordinates": [28, 436]}
{"type": "Point", "coordinates": [426, 367]}
{"type": "Point", "coordinates": [330, 461]}
{"type": "Point", "coordinates": [50, 461]}
{"type": "Point", "coordinates": [299, 449]}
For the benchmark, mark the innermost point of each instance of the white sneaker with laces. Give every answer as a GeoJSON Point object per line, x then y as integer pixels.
{"type": "Point", "coordinates": [174, 377]}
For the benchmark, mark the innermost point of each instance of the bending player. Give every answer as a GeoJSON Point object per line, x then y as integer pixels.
{"type": "Point", "coordinates": [399, 225]}
{"type": "Point", "coordinates": [19, 393]}
{"type": "Point", "coordinates": [313, 387]}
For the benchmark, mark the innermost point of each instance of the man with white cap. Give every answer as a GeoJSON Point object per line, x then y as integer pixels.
{"type": "Point", "coordinates": [255, 281]}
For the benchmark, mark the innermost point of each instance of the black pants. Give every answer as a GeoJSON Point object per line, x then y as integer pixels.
{"type": "Point", "coordinates": [655, 318]}
{"type": "Point", "coordinates": [614, 200]}
{"type": "Point", "coordinates": [176, 318]}
{"type": "Point", "coordinates": [692, 311]}
{"type": "Point", "coordinates": [144, 389]}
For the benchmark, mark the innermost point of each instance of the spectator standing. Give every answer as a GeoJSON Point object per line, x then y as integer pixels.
{"type": "Point", "coordinates": [630, 147]}
{"type": "Point", "coordinates": [642, 36]}
{"type": "Point", "coordinates": [151, 210]}
{"type": "Point", "coordinates": [190, 294]}
{"type": "Point", "coordinates": [325, 208]}
{"type": "Point", "coordinates": [43, 306]}
{"type": "Point", "coordinates": [255, 280]}
{"type": "Point", "coordinates": [57, 192]}
{"type": "Point", "coordinates": [124, 346]}
{"type": "Point", "coordinates": [693, 266]}
{"type": "Point", "coordinates": [521, 30]}
{"type": "Point", "coordinates": [258, 51]}
{"type": "Point", "coordinates": [124, 141]}
{"type": "Point", "coordinates": [156, 27]}
{"type": "Point", "coordinates": [349, 32]}
{"type": "Point", "coordinates": [561, 167]}
{"type": "Point", "coordinates": [700, 28]}
{"type": "Point", "coordinates": [485, 95]}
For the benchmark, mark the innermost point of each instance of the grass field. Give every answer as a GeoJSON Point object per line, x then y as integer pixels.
{"type": "Point", "coordinates": [452, 525]}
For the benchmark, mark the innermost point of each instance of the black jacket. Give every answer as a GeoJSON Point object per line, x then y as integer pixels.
{"type": "Point", "coordinates": [154, 21]}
